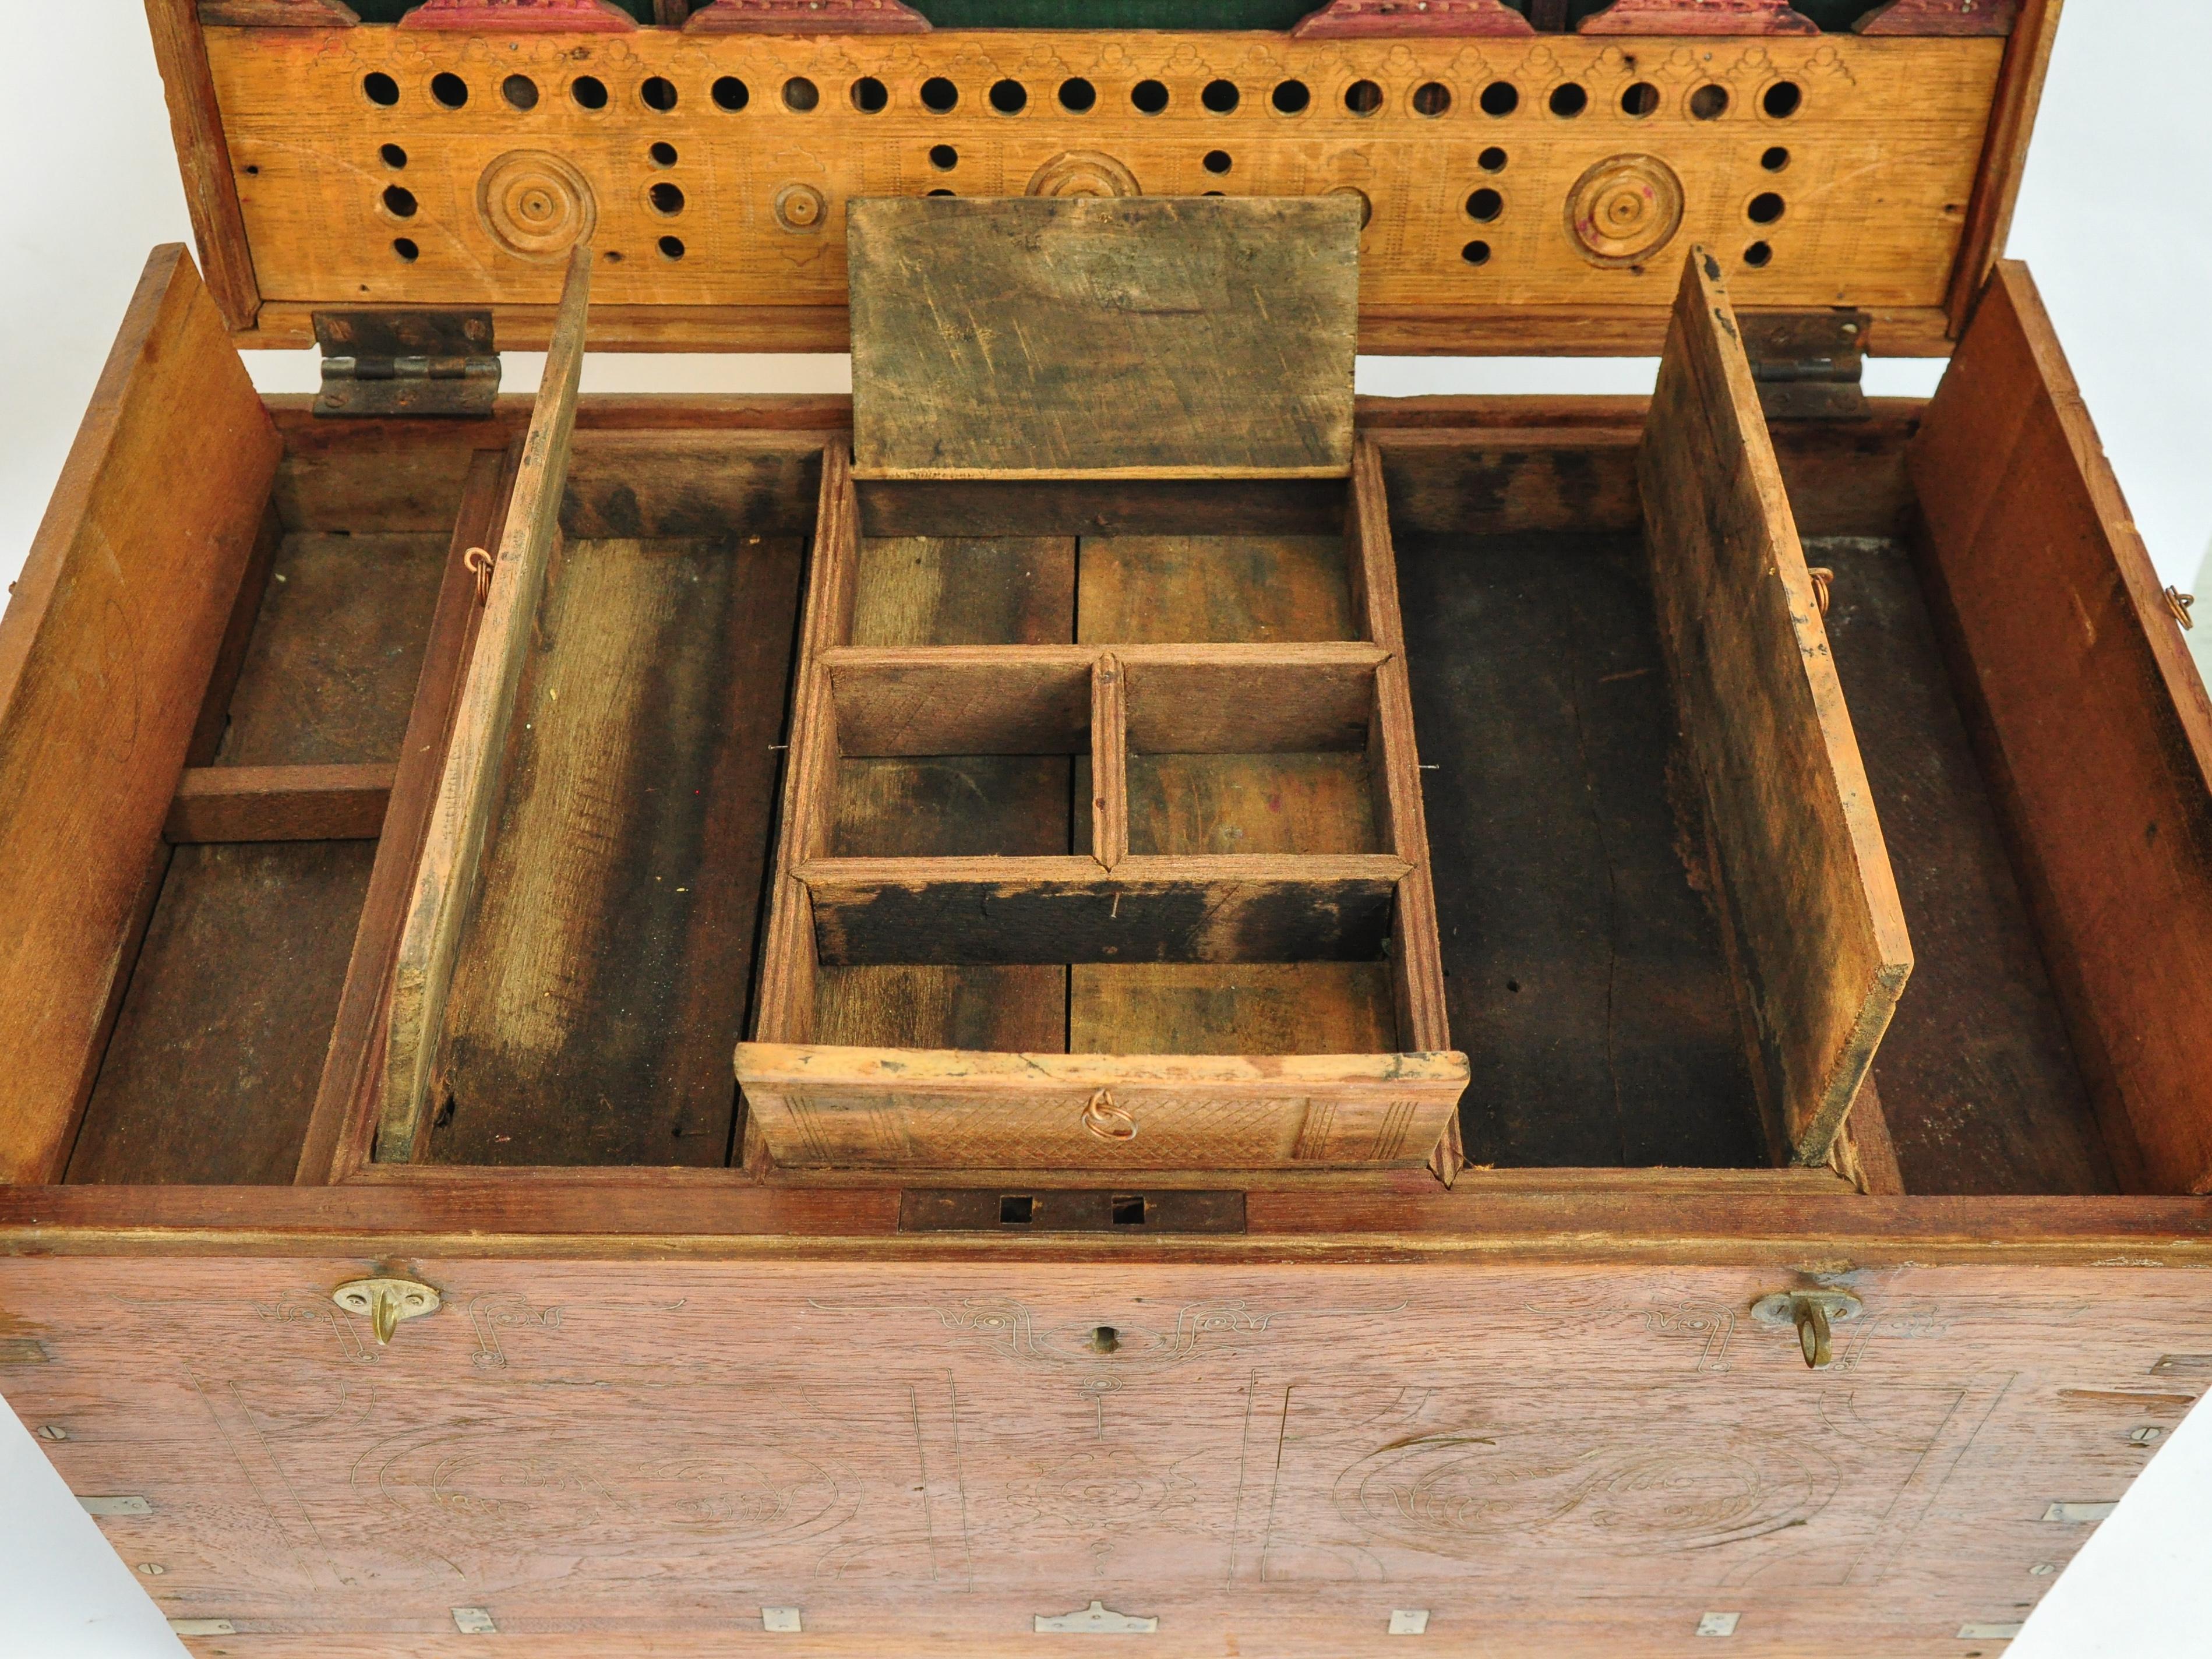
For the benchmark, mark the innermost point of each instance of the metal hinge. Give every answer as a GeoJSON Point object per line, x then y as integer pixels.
{"type": "Point", "coordinates": [407, 363]}
{"type": "Point", "coordinates": [1807, 363]}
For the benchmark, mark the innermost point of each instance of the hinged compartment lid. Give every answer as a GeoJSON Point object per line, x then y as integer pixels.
{"type": "Point", "coordinates": [1527, 184]}
{"type": "Point", "coordinates": [1077, 338]}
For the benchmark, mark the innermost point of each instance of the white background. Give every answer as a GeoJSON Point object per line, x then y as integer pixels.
{"type": "Point", "coordinates": [2112, 220]}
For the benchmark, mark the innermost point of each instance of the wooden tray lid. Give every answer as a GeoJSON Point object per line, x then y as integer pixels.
{"type": "Point", "coordinates": [1527, 183]}
{"type": "Point", "coordinates": [1084, 337]}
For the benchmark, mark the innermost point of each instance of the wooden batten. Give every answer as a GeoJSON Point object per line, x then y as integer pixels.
{"type": "Point", "coordinates": [1821, 940]}
{"type": "Point", "coordinates": [1085, 336]}
{"type": "Point", "coordinates": [447, 877]}
{"type": "Point", "coordinates": [2095, 722]}
{"type": "Point", "coordinates": [115, 629]}
{"type": "Point", "coordinates": [279, 803]}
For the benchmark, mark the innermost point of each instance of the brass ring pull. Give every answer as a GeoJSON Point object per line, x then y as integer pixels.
{"type": "Point", "coordinates": [1106, 1120]}
{"type": "Point", "coordinates": [480, 561]}
{"type": "Point", "coordinates": [2179, 603]}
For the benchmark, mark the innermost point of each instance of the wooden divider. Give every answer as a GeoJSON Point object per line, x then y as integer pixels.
{"type": "Point", "coordinates": [110, 638]}
{"type": "Point", "coordinates": [2094, 724]}
{"type": "Point", "coordinates": [447, 875]}
{"type": "Point", "coordinates": [1821, 950]}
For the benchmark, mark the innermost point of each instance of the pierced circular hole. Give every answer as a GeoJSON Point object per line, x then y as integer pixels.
{"type": "Point", "coordinates": [1639, 99]}
{"type": "Point", "coordinates": [393, 156]}
{"type": "Point", "coordinates": [672, 247]}
{"type": "Point", "coordinates": [944, 157]}
{"type": "Point", "coordinates": [666, 198]}
{"type": "Point", "coordinates": [1782, 100]}
{"type": "Point", "coordinates": [1076, 95]}
{"type": "Point", "coordinates": [1221, 96]}
{"type": "Point", "coordinates": [379, 88]}
{"type": "Point", "coordinates": [1485, 204]}
{"type": "Point", "coordinates": [941, 192]}
{"type": "Point", "coordinates": [400, 201]}
{"type": "Point", "coordinates": [1709, 103]}
{"type": "Point", "coordinates": [1500, 98]}
{"type": "Point", "coordinates": [731, 94]}
{"type": "Point", "coordinates": [1476, 252]}
{"type": "Point", "coordinates": [520, 91]}
{"type": "Point", "coordinates": [405, 248]}
{"type": "Point", "coordinates": [589, 92]}
{"type": "Point", "coordinates": [449, 89]}
{"type": "Point", "coordinates": [1009, 97]}
{"type": "Point", "coordinates": [1431, 98]}
{"type": "Point", "coordinates": [1150, 97]}
{"type": "Point", "coordinates": [1775, 159]}
{"type": "Point", "coordinates": [1362, 98]}
{"type": "Point", "coordinates": [1759, 255]}
{"type": "Point", "coordinates": [659, 93]}
{"type": "Point", "coordinates": [1290, 97]}
{"type": "Point", "coordinates": [1212, 192]}
{"type": "Point", "coordinates": [870, 95]}
{"type": "Point", "coordinates": [663, 155]}
{"type": "Point", "coordinates": [1569, 99]}
{"type": "Point", "coordinates": [1366, 202]}
{"type": "Point", "coordinates": [1217, 160]}
{"type": "Point", "coordinates": [1765, 208]}
{"type": "Point", "coordinates": [1492, 160]}
{"type": "Point", "coordinates": [938, 94]}
{"type": "Point", "coordinates": [800, 93]}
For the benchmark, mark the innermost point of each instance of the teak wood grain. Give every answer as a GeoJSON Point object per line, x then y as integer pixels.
{"type": "Point", "coordinates": [448, 873]}
{"type": "Point", "coordinates": [2096, 729]}
{"type": "Point", "coordinates": [1080, 336]}
{"type": "Point", "coordinates": [1819, 936]}
{"type": "Point", "coordinates": [114, 628]}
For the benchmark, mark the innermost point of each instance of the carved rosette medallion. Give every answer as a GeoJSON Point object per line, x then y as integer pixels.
{"type": "Point", "coordinates": [536, 205]}
{"type": "Point", "coordinates": [1625, 210]}
{"type": "Point", "coordinates": [1084, 173]}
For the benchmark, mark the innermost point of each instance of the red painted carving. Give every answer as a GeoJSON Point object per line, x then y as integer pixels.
{"type": "Point", "coordinates": [278, 13]}
{"type": "Point", "coordinates": [1940, 17]}
{"type": "Point", "coordinates": [1697, 17]}
{"type": "Point", "coordinates": [521, 16]}
{"type": "Point", "coordinates": [1365, 19]}
{"type": "Point", "coordinates": [808, 17]}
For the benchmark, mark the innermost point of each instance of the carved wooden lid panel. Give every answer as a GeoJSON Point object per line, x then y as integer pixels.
{"type": "Point", "coordinates": [388, 166]}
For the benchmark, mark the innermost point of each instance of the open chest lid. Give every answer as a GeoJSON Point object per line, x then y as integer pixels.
{"type": "Point", "coordinates": [1527, 176]}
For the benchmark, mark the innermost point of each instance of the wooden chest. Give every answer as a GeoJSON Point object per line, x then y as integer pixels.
{"type": "Point", "coordinates": [1102, 993]}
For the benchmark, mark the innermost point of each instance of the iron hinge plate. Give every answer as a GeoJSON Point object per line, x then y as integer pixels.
{"type": "Point", "coordinates": [407, 363]}
{"type": "Point", "coordinates": [1807, 363]}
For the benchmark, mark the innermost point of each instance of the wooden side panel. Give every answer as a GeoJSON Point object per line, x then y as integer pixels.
{"type": "Point", "coordinates": [2095, 723]}
{"type": "Point", "coordinates": [1821, 938]}
{"type": "Point", "coordinates": [1103, 336]}
{"type": "Point", "coordinates": [111, 634]}
{"type": "Point", "coordinates": [915, 1108]}
{"type": "Point", "coordinates": [446, 879]}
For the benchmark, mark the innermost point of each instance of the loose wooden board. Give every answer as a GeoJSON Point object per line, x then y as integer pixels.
{"type": "Point", "coordinates": [108, 642]}
{"type": "Point", "coordinates": [1100, 337]}
{"type": "Point", "coordinates": [1820, 939]}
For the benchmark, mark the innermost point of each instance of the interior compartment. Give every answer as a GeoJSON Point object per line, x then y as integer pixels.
{"type": "Point", "coordinates": [217, 1055]}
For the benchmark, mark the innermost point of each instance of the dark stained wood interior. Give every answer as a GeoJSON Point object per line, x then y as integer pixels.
{"type": "Point", "coordinates": [1978, 1081]}
{"type": "Point", "coordinates": [1583, 964]}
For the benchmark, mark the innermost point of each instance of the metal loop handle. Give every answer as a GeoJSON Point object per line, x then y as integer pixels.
{"type": "Point", "coordinates": [1106, 1120]}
